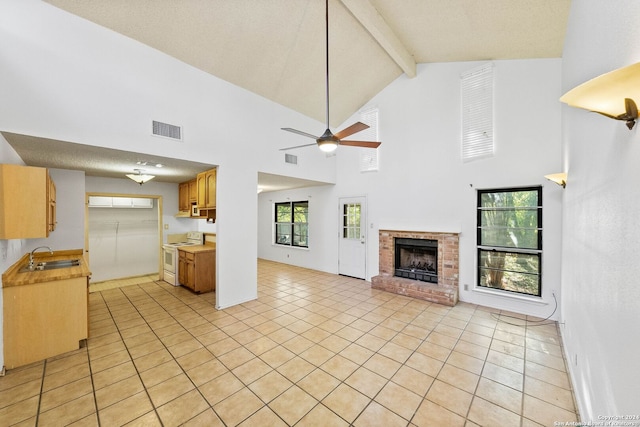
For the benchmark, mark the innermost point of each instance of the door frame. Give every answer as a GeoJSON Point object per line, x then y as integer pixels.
{"type": "Point", "coordinates": [156, 197]}
{"type": "Point", "coordinates": [364, 214]}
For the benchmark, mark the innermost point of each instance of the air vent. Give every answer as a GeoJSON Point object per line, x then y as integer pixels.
{"type": "Point", "coordinates": [290, 158]}
{"type": "Point", "coordinates": [166, 130]}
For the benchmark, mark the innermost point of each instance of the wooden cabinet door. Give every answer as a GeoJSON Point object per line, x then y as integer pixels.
{"type": "Point", "coordinates": [51, 209]}
{"type": "Point", "coordinates": [183, 197]}
{"type": "Point", "coordinates": [193, 191]}
{"type": "Point", "coordinates": [211, 178]}
{"type": "Point", "coordinates": [190, 280]}
{"type": "Point", "coordinates": [24, 202]}
{"type": "Point", "coordinates": [201, 183]}
{"type": "Point", "coordinates": [182, 267]}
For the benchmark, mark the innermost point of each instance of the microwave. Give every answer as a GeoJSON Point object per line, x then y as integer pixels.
{"type": "Point", "coordinates": [194, 210]}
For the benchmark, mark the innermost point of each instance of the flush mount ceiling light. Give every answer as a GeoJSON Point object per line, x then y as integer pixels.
{"type": "Point", "coordinates": [611, 94]}
{"type": "Point", "coordinates": [558, 178]}
{"type": "Point", "coordinates": [139, 177]}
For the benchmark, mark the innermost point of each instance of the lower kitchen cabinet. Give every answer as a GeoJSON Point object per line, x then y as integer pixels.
{"type": "Point", "coordinates": [43, 320]}
{"type": "Point", "coordinates": [197, 267]}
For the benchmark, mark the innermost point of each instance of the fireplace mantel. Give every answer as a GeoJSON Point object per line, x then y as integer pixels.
{"type": "Point", "coordinates": [445, 291]}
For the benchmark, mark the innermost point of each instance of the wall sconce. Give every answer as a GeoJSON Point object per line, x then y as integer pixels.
{"type": "Point", "coordinates": [558, 178]}
{"type": "Point", "coordinates": [139, 177]}
{"type": "Point", "coordinates": [611, 94]}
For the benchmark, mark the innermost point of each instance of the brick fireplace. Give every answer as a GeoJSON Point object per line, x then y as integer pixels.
{"type": "Point", "coordinates": [445, 291]}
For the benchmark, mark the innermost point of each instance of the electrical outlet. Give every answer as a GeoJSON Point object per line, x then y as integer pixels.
{"type": "Point", "coordinates": [466, 287]}
{"type": "Point", "coordinates": [576, 359]}
{"type": "Point", "coordinates": [166, 226]}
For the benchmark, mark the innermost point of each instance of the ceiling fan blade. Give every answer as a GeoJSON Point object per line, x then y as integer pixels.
{"type": "Point", "coordinates": [298, 146]}
{"type": "Point", "coordinates": [365, 144]}
{"type": "Point", "coordinates": [356, 127]}
{"type": "Point", "coordinates": [299, 132]}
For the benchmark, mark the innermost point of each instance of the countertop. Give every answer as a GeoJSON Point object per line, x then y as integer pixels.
{"type": "Point", "coordinates": [12, 277]}
{"type": "Point", "coordinates": [198, 248]}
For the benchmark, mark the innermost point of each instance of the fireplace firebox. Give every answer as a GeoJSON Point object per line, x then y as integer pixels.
{"type": "Point", "coordinates": [416, 259]}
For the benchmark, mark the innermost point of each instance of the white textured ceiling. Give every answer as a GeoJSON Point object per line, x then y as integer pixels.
{"type": "Point", "coordinates": [276, 48]}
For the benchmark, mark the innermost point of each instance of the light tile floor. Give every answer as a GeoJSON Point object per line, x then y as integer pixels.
{"type": "Point", "coordinates": [118, 283]}
{"type": "Point", "coordinates": [315, 349]}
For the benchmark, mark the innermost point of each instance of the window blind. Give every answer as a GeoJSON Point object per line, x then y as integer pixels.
{"type": "Point", "coordinates": [476, 87]}
{"type": "Point", "coordinates": [368, 156]}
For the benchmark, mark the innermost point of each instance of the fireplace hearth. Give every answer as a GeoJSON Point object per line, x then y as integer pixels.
{"type": "Point", "coordinates": [419, 264]}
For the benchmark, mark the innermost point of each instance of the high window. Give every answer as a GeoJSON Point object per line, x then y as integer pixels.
{"type": "Point", "coordinates": [476, 88]}
{"type": "Point", "coordinates": [291, 224]}
{"type": "Point", "coordinates": [509, 240]}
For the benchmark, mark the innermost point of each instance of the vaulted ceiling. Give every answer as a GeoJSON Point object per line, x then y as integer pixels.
{"type": "Point", "coordinates": [276, 49]}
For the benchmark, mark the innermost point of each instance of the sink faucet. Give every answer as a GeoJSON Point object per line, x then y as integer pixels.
{"type": "Point", "coordinates": [33, 251]}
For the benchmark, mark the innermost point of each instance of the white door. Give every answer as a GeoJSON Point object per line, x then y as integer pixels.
{"type": "Point", "coordinates": [352, 257]}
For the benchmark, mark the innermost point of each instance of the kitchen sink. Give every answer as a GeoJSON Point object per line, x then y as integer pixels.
{"type": "Point", "coordinates": [51, 265]}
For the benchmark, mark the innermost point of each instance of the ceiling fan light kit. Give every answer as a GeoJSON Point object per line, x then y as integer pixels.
{"type": "Point", "coordinates": [328, 142]}
{"type": "Point", "coordinates": [612, 94]}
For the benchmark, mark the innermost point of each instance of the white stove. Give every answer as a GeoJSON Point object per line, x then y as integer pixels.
{"type": "Point", "coordinates": [170, 253]}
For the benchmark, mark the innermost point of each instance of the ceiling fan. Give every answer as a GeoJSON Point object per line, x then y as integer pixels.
{"type": "Point", "coordinates": [328, 142]}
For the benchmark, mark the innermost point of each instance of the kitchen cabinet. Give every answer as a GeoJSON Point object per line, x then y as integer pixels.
{"type": "Point", "coordinates": [193, 191]}
{"type": "Point", "coordinates": [43, 320]}
{"type": "Point", "coordinates": [121, 202]}
{"type": "Point", "coordinates": [187, 196]}
{"type": "Point", "coordinates": [184, 205]}
{"type": "Point", "coordinates": [197, 267]}
{"type": "Point", "coordinates": [27, 202]}
{"type": "Point", "coordinates": [45, 313]}
{"type": "Point", "coordinates": [206, 182]}
{"type": "Point", "coordinates": [51, 199]}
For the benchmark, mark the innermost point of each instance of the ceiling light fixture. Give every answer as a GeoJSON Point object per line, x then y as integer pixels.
{"type": "Point", "coordinates": [139, 177]}
{"type": "Point", "coordinates": [612, 94]}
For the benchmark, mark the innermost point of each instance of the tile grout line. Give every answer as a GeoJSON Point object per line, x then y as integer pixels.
{"type": "Point", "coordinates": [130, 357]}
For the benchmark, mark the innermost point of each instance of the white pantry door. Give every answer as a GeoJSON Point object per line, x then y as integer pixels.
{"type": "Point", "coordinates": [352, 256]}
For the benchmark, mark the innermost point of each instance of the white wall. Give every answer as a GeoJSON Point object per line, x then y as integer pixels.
{"type": "Point", "coordinates": [123, 242]}
{"type": "Point", "coordinates": [601, 235]}
{"type": "Point", "coordinates": [423, 185]}
{"type": "Point", "coordinates": [65, 78]}
{"type": "Point", "coordinates": [323, 217]}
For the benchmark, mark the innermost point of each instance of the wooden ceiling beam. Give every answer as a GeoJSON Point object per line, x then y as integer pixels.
{"type": "Point", "coordinates": [375, 24]}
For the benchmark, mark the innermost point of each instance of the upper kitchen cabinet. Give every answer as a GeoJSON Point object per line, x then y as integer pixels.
{"type": "Point", "coordinates": [206, 182]}
{"type": "Point", "coordinates": [51, 204]}
{"type": "Point", "coordinates": [184, 205]}
{"type": "Point", "coordinates": [193, 191]}
{"type": "Point", "coordinates": [27, 202]}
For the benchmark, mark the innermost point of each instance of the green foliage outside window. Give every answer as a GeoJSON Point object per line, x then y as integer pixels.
{"type": "Point", "coordinates": [291, 224]}
{"type": "Point", "coordinates": [510, 239]}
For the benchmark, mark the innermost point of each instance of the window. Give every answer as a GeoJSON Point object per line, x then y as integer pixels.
{"type": "Point", "coordinates": [291, 224]}
{"type": "Point", "coordinates": [369, 156]}
{"type": "Point", "coordinates": [351, 221]}
{"type": "Point", "coordinates": [476, 88]}
{"type": "Point", "coordinates": [510, 240]}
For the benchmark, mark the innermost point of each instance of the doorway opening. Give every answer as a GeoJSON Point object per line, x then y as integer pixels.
{"type": "Point", "coordinates": [123, 235]}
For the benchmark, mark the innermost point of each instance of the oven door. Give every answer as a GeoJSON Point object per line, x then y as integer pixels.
{"type": "Point", "coordinates": [170, 263]}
